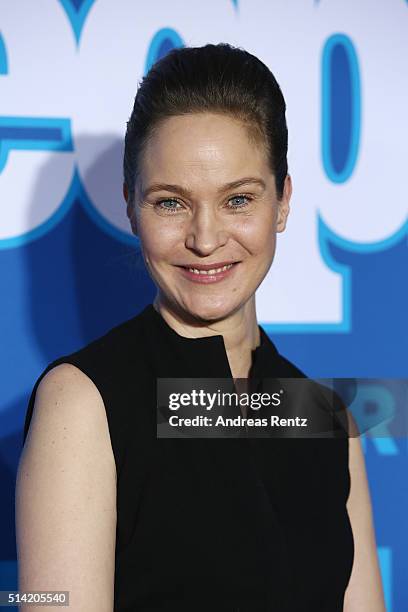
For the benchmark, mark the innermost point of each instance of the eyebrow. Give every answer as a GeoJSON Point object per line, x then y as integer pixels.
{"type": "Point", "coordinates": [187, 193]}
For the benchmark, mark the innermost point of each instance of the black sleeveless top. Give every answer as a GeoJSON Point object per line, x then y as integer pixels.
{"type": "Point", "coordinates": [239, 524]}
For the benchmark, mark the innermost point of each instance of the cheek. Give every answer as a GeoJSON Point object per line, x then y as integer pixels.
{"type": "Point", "coordinates": [257, 234]}
{"type": "Point", "coordinates": [158, 239]}
{"type": "Point", "coordinates": [161, 238]}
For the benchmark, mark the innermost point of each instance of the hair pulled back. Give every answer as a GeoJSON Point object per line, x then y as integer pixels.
{"type": "Point", "coordinates": [217, 78]}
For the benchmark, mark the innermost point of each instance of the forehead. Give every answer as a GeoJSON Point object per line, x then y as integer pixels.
{"type": "Point", "coordinates": [202, 149]}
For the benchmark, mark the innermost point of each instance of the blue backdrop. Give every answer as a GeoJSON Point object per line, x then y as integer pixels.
{"type": "Point", "coordinates": [69, 271]}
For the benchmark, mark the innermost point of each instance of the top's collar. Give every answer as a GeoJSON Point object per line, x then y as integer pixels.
{"type": "Point", "coordinates": [202, 357]}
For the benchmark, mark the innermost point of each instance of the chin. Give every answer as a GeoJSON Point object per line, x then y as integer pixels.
{"type": "Point", "coordinates": [210, 311]}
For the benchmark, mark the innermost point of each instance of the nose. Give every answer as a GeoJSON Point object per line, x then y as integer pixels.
{"type": "Point", "coordinates": [206, 231]}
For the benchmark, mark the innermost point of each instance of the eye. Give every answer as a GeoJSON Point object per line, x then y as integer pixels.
{"type": "Point", "coordinates": [241, 196]}
{"type": "Point", "coordinates": [169, 205]}
{"type": "Point", "coordinates": [161, 204]}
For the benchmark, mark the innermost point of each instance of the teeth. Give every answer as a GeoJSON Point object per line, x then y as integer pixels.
{"type": "Point", "coordinates": [213, 271]}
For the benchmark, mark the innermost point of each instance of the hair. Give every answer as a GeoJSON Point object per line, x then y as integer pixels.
{"type": "Point", "coordinates": [217, 78]}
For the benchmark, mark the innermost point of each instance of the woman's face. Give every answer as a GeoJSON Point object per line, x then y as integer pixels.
{"type": "Point", "coordinates": [206, 195]}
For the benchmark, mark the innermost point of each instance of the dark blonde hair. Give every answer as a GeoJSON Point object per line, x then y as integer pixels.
{"type": "Point", "coordinates": [213, 78]}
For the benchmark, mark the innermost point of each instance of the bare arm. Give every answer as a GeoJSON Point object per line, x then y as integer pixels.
{"type": "Point", "coordinates": [364, 592]}
{"type": "Point", "coordinates": [66, 495]}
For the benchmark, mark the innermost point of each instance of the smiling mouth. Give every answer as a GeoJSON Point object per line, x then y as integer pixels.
{"type": "Point", "coordinates": [210, 272]}
{"type": "Point", "coordinates": [211, 275]}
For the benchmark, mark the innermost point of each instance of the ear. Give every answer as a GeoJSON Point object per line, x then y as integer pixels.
{"type": "Point", "coordinates": [283, 204]}
{"type": "Point", "coordinates": [130, 210]}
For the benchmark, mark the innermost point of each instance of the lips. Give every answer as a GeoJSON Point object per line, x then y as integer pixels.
{"type": "Point", "coordinates": [213, 266]}
{"type": "Point", "coordinates": [211, 275]}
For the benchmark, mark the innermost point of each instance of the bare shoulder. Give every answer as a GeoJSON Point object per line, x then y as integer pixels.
{"type": "Point", "coordinates": [66, 380]}
{"type": "Point", "coordinates": [352, 425]}
{"type": "Point", "coordinates": [66, 493]}
{"type": "Point", "coordinates": [364, 591]}
{"type": "Point", "coordinates": [68, 411]}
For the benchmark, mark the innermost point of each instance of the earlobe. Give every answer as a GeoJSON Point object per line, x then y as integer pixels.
{"type": "Point", "coordinates": [283, 205]}
{"type": "Point", "coordinates": [132, 217]}
{"type": "Point", "coordinates": [130, 210]}
{"type": "Point", "coordinates": [283, 212]}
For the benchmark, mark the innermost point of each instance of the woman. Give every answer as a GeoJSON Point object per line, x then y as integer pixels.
{"type": "Point", "coordinates": [127, 521]}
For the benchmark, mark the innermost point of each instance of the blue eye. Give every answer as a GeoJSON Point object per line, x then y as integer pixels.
{"type": "Point", "coordinates": [242, 197]}
{"type": "Point", "coordinates": [169, 205]}
{"type": "Point", "coordinates": [160, 204]}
